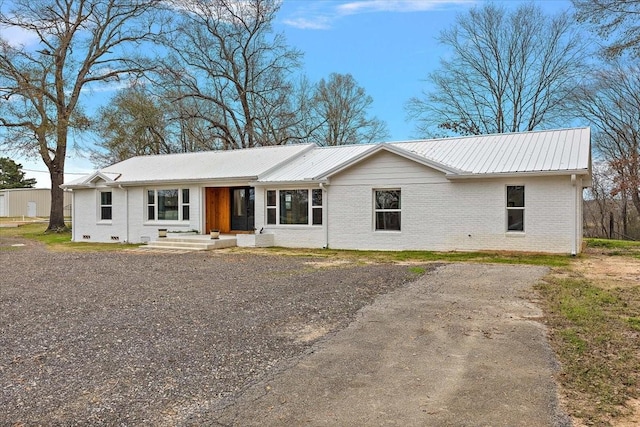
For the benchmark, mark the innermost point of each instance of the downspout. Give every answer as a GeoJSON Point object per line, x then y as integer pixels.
{"type": "Point", "coordinates": [574, 242]}
{"type": "Point", "coordinates": [73, 214]}
{"type": "Point", "coordinates": [325, 214]}
{"type": "Point", "coordinates": [126, 211]}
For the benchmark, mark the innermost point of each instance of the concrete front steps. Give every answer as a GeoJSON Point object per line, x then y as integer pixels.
{"type": "Point", "coordinates": [191, 243]}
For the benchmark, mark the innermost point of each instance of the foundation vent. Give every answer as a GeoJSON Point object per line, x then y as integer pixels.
{"type": "Point", "coordinates": [115, 238]}
{"type": "Point", "coordinates": [86, 237]}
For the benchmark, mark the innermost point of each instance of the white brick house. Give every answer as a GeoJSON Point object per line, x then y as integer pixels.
{"type": "Point", "coordinates": [520, 191]}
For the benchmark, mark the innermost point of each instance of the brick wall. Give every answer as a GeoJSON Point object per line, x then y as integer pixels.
{"type": "Point", "coordinates": [442, 215]}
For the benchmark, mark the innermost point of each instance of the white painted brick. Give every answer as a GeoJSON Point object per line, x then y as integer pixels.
{"type": "Point", "coordinates": [437, 214]}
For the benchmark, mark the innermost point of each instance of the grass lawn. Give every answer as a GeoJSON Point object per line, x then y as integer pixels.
{"type": "Point", "coordinates": [594, 329]}
{"type": "Point", "coordinates": [55, 241]}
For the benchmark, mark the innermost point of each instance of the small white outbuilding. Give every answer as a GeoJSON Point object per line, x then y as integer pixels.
{"type": "Point", "coordinates": [519, 192]}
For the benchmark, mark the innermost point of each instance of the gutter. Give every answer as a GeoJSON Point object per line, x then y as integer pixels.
{"type": "Point", "coordinates": [126, 211]}
{"type": "Point", "coordinates": [574, 240]}
{"type": "Point", "coordinates": [156, 183]}
{"type": "Point", "coordinates": [325, 213]}
{"type": "Point", "coordinates": [301, 183]}
{"type": "Point", "coordinates": [572, 172]}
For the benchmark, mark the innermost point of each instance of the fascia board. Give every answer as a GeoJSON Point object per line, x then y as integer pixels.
{"type": "Point", "coordinates": [88, 182]}
{"type": "Point", "coordinates": [204, 182]}
{"type": "Point", "coordinates": [309, 147]}
{"type": "Point", "coordinates": [300, 183]}
{"type": "Point", "coordinates": [455, 177]}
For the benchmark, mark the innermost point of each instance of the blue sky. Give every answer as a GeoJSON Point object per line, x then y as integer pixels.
{"type": "Point", "coordinates": [389, 46]}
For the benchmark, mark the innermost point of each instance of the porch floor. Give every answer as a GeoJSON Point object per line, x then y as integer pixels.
{"type": "Point", "coordinates": [192, 242]}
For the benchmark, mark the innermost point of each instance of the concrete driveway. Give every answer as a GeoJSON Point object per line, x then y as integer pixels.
{"type": "Point", "coordinates": [462, 346]}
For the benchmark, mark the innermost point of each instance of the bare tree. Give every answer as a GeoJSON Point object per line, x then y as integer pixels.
{"type": "Point", "coordinates": [610, 100]}
{"type": "Point", "coordinates": [340, 113]}
{"type": "Point", "coordinates": [229, 58]}
{"type": "Point", "coordinates": [77, 43]}
{"type": "Point", "coordinates": [133, 124]}
{"type": "Point", "coordinates": [616, 21]}
{"type": "Point", "coordinates": [507, 71]}
{"type": "Point", "coordinates": [599, 202]}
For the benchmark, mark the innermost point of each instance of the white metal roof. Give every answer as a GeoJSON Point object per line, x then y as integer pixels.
{"type": "Point", "coordinates": [539, 151]}
{"type": "Point", "coordinates": [200, 166]}
{"type": "Point", "coordinates": [316, 162]}
{"type": "Point", "coordinates": [554, 151]}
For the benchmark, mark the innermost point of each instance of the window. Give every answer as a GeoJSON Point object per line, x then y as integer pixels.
{"type": "Point", "coordinates": [151, 205]}
{"type": "Point", "coordinates": [168, 205]}
{"type": "Point", "coordinates": [294, 206]}
{"type": "Point", "coordinates": [185, 204]}
{"type": "Point", "coordinates": [106, 206]}
{"type": "Point", "coordinates": [286, 207]}
{"type": "Point", "coordinates": [515, 208]}
{"type": "Point", "coordinates": [316, 207]}
{"type": "Point", "coordinates": [387, 209]}
{"type": "Point", "coordinates": [272, 209]}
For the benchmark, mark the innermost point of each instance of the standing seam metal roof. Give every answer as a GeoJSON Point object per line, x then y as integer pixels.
{"type": "Point", "coordinates": [207, 165]}
{"type": "Point", "coordinates": [541, 151]}
{"type": "Point", "coordinates": [526, 152]}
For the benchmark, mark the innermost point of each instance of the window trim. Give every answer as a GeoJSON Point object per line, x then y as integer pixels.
{"type": "Point", "coordinates": [375, 210]}
{"type": "Point", "coordinates": [101, 206]}
{"type": "Point", "coordinates": [155, 204]}
{"type": "Point", "coordinates": [515, 208]}
{"type": "Point", "coordinates": [276, 207]}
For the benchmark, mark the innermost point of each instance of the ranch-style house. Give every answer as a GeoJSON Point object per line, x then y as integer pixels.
{"type": "Point", "coordinates": [516, 192]}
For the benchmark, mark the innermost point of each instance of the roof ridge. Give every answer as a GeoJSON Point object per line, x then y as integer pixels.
{"type": "Point", "coordinates": [486, 135]}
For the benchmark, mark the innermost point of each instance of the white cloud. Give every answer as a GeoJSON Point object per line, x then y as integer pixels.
{"type": "Point", "coordinates": [312, 23]}
{"type": "Point", "coordinates": [17, 37]}
{"type": "Point", "coordinates": [364, 6]}
{"type": "Point", "coordinates": [319, 15]}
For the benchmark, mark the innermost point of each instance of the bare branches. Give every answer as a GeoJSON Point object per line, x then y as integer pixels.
{"type": "Point", "coordinates": [610, 101]}
{"type": "Point", "coordinates": [616, 21]}
{"type": "Point", "coordinates": [508, 71]}
{"type": "Point", "coordinates": [340, 107]}
{"type": "Point", "coordinates": [77, 42]}
{"type": "Point", "coordinates": [227, 56]}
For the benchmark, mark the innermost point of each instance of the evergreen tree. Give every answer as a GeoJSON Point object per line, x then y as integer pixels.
{"type": "Point", "coordinates": [12, 176]}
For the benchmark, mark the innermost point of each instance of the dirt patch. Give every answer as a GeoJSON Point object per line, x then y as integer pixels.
{"type": "Point", "coordinates": [328, 263]}
{"type": "Point", "coordinates": [609, 271]}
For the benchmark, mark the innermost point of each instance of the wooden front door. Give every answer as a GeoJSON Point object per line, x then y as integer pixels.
{"type": "Point", "coordinates": [218, 209]}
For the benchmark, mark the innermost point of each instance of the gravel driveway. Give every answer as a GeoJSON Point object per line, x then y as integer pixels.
{"type": "Point", "coordinates": [125, 338]}
{"type": "Point", "coordinates": [121, 338]}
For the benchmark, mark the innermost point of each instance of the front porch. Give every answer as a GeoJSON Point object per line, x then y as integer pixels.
{"type": "Point", "coordinates": [194, 242]}
{"type": "Point", "coordinates": [204, 242]}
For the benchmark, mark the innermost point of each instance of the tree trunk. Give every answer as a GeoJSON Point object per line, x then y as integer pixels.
{"type": "Point", "coordinates": [635, 199]}
{"type": "Point", "coordinates": [56, 215]}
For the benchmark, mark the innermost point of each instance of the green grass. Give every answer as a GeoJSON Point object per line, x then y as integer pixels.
{"type": "Point", "coordinates": [56, 240]}
{"type": "Point", "coordinates": [594, 333]}
{"type": "Point", "coordinates": [612, 244]}
{"type": "Point", "coordinates": [417, 270]}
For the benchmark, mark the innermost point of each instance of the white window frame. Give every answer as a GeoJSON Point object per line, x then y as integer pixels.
{"type": "Point", "coordinates": [101, 206]}
{"type": "Point", "coordinates": [384, 210]}
{"type": "Point", "coordinates": [310, 207]}
{"type": "Point", "coordinates": [181, 204]}
{"type": "Point", "coordinates": [515, 208]}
